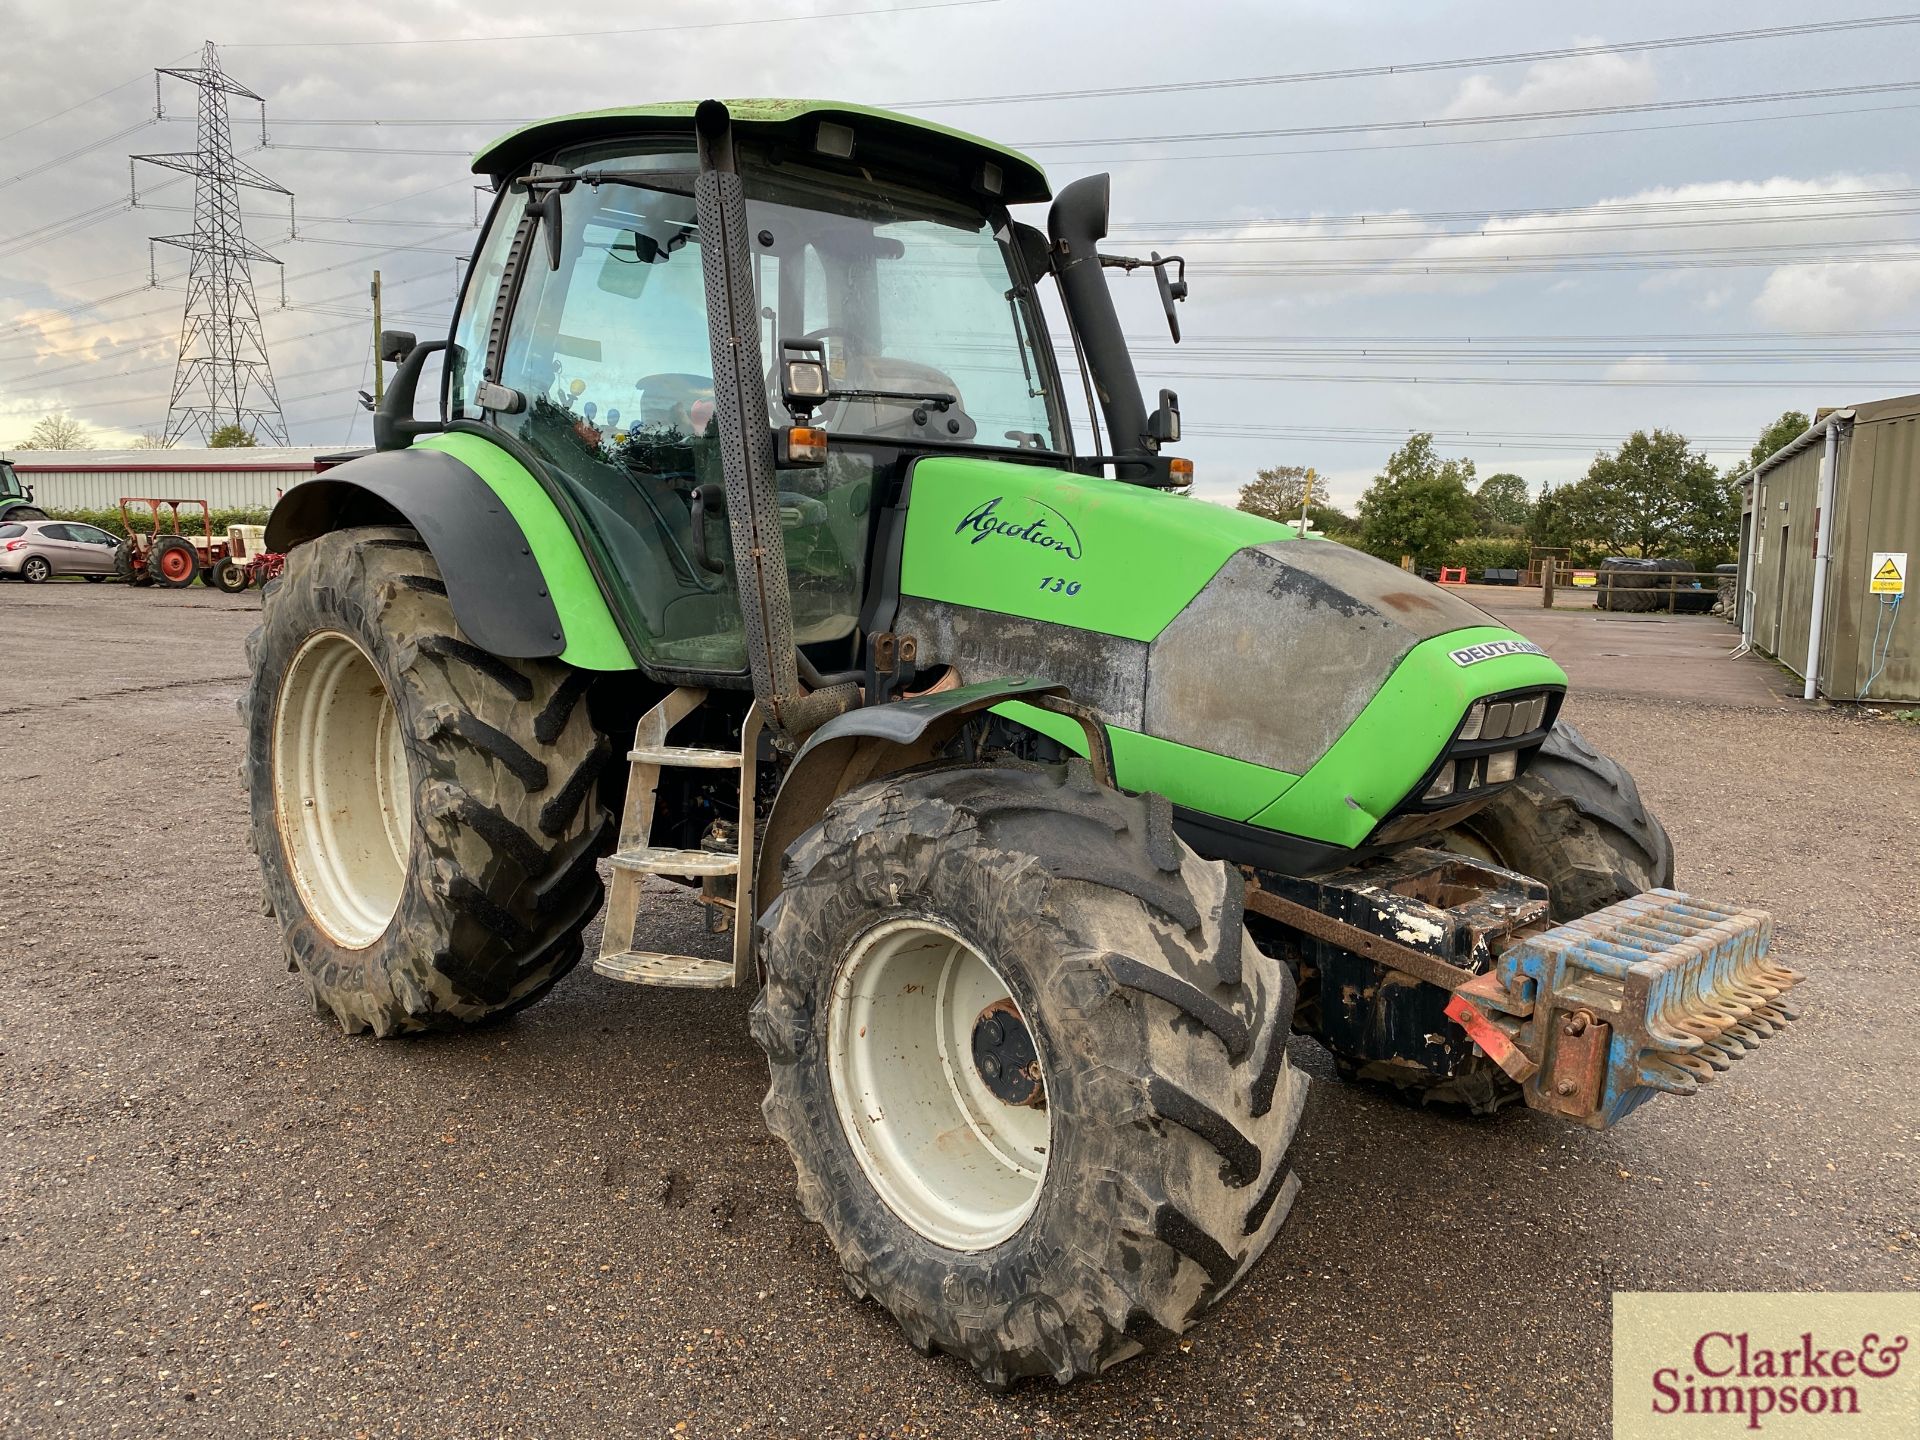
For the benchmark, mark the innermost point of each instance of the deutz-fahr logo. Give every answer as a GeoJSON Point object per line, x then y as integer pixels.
{"type": "Point", "coordinates": [1493, 650]}
{"type": "Point", "coordinates": [1050, 531]}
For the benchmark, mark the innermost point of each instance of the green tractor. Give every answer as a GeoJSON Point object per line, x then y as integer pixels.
{"type": "Point", "coordinates": [1042, 802]}
{"type": "Point", "coordinates": [16, 499]}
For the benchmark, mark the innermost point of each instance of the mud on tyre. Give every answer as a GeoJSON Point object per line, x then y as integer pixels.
{"type": "Point", "coordinates": [424, 812]}
{"type": "Point", "coordinates": [1156, 1173]}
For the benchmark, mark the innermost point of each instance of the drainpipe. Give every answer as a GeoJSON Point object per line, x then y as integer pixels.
{"type": "Point", "coordinates": [1822, 552]}
{"type": "Point", "coordinates": [1748, 581]}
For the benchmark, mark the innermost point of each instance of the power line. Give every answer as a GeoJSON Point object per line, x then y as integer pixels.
{"type": "Point", "coordinates": [1310, 437]}
{"type": "Point", "coordinates": [597, 34]}
{"type": "Point", "coordinates": [64, 156]}
{"type": "Point", "coordinates": [1478, 139]}
{"type": "Point", "coordinates": [1069, 160]}
{"type": "Point", "coordinates": [1574, 382]}
{"type": "Point", "coordinates": [1570, 112]}
{"type": "Point", "coordinates": [1518, 233]}
{"type": "Point", "coordinates": [1417, 67]}
{"type": "Point", "coordinates": [78, 104]}
{"type": "Point", "coordinates": [1486, 213]}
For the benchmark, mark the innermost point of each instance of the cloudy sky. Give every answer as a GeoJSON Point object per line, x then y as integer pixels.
{"type": "Point", "coordinates": [1694, 235]}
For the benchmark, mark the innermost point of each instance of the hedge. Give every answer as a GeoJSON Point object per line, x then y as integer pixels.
{"type": "Point", "coordinates": [109, 520]}
{"type": "Point", "coordinates": [1488, 552]}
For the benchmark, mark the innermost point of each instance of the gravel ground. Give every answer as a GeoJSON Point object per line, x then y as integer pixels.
{"type": "Point", "coordinates": [221, 1216]}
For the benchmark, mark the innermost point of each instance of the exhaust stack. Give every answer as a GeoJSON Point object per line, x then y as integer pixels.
{"type": "Point", "coordinates": [1077, 224]}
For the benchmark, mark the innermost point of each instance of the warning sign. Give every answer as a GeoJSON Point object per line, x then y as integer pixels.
{"type": "Point", "coordinates": [1889, 573]}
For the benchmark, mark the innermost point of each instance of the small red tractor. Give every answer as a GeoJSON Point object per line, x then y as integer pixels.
{"type": "Point", "coordinates": [173, 556]}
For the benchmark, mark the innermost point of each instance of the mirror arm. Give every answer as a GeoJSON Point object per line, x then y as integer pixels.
{"type": "Point", "coordinates": [394, 427]}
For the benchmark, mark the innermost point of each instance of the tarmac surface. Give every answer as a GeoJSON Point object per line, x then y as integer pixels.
{"type": "Point", "coordinates": [219, 1216]}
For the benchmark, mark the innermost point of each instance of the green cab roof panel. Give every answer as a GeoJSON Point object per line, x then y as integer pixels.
{"type": "Point", "coordinates": [1023, 181]}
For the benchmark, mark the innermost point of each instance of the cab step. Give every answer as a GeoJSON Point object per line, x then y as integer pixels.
{"type": "Point", "coordinates": [650, 967]}
{"type": "Point", "coordinates": [656, 860]}
{"type": "Point", "coordinates": [688, 757]}
{"type": "Point", "coordinates": [638, 857]}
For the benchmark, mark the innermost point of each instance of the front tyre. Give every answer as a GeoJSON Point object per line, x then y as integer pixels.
{"type": "Point", "coordinates": [425, 812]}
{"type": "Point", "coordinates": [1576, 821]}
{"type": "Point", "coordinates": [1031, 1070]}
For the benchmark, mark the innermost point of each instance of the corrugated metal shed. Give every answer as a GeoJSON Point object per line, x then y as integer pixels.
{"type": "Point", "coordinates": [1876, 510]}
{"type": "Point", "coordinates": [236, 479]}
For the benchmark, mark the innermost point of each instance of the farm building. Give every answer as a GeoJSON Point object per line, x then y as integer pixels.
{"type": "Point", "coordinates": [236, 479]}
{"type": "Point", "coordinates": [1829, 525]}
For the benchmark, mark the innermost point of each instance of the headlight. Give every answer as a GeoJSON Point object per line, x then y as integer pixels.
{"type": "Point", "coordinates": [1502, 765]}
{"type": "Point", "coordinates": [1476, 717]}
{"type": "Point", "coordinates": [1442, 785]}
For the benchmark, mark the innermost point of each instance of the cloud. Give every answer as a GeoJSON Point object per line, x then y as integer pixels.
{"type": "Point", "coordinates": [1559, 85]}
{"type": "Point", "coordinates": [1821, 297]}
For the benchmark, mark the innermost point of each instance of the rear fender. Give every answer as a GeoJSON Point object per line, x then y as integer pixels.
{"type": "Point", "coordinates": [515, 577]}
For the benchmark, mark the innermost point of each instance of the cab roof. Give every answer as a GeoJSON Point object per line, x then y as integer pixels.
{"type": "Point", "coordinates": [878, 136]}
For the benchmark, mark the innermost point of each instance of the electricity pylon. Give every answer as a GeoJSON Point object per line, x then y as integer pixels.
{"type": "Point", "coordinates": [223, 376]}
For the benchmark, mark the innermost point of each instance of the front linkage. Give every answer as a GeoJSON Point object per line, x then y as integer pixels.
{"type": "Point", "coordinates": [1584, 1021]}
{"type": "Point", "coordinates": [1657, 993]}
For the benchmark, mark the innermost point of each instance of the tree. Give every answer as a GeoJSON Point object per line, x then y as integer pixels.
{"type": "Point", "coordinates": [1652, 496]}
{"type": "Point", "coordinates": [1418, 505]}
{"type": "Point", "coordinates": [1789, 426]}
{"type": "Point", "coordinates": [151, 440]}
{"type": "Point", "coordinates": [1503, 500]}
{"type": "Point", "coordinates": [230, 437]}
{"type": "Point", "coordinates": [57, 432]}
{"type": "Point", "coordinates": [1276, 493]}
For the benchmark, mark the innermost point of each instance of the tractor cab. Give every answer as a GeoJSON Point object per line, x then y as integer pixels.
{"type": "Point", "coordinates": [885, 277]}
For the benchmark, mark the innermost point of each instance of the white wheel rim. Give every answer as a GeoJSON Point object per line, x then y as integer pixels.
{"type": "Point", "coordinates": [342, 791]}
{"type": "Point", "coordinates": [948, 1156]}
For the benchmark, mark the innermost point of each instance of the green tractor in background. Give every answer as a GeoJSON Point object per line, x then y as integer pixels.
{"type": "Point", "coordinates": [1043, 802]}
{"type": "Point", "coordinates": [16, 499]}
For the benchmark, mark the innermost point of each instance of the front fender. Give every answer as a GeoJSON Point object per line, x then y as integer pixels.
{"type": "Point", "coordinates": [515, 576]}
{"type": "Point", "coordinates": [876, 740]}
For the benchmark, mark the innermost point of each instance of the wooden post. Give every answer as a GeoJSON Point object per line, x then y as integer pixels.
{"type": "Point", "coordinates": [379, 367]}
{"type": "Point", "coordinates": [1546, 584]}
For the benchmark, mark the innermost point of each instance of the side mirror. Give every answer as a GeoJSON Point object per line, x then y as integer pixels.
{"type": "Point", "coordinates": [393, 424]}
{"type": "Point", "coordinates": [1163, 426]}
{"type": "Point", "coordinates": [1170, 290]}
{"type": "Point", "coordinates": [803, 374]}
{"type": "Point", "coordinates": [396, 345]}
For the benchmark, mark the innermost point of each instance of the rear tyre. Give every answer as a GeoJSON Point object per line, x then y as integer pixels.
{"type": "Point", "coordinates": [26, 512]}
{"type": "Point", "coordinates": [1064, 928]}
{"type": "Point", "coordinates": [425, 812]}
{"type": "Point", "coordinates": [228, 578]}
{"type": "Point", "coordinates": [173, 562]}
{"type": "Point", "coordinates": [1576, 821]}
{"type": "Point", "coordinates": [36, 571]}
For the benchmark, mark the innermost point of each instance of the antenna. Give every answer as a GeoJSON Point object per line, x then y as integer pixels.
{"type": "Point", "coordinates": [223, 376]}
